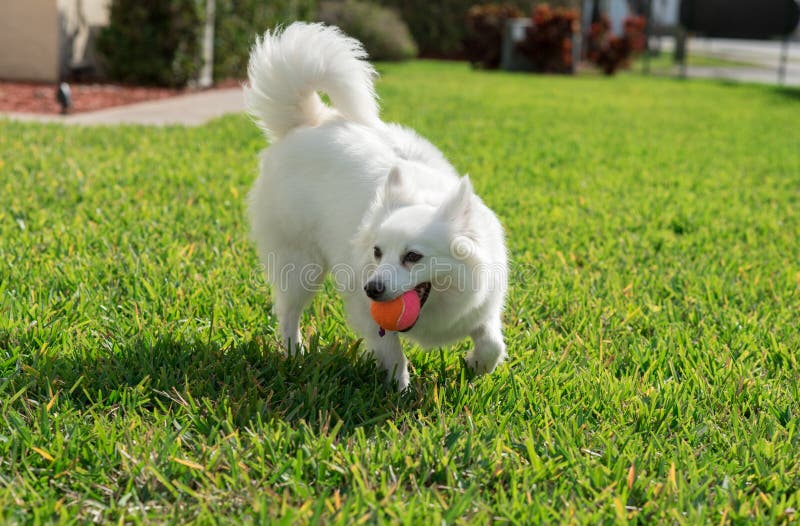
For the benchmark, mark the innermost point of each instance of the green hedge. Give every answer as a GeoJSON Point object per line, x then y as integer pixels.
{"type": "Point", "coordinates": [384, 34]}
{"type": "Point", "coordinates": [437, 26]}
{"type": "Point", "coordinates": [152, 41]}
{"type": "Point", "coordinates": [160, 42]}
{"type": "Point", "coordinates": [238, 22]}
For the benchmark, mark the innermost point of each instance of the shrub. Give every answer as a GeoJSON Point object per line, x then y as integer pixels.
{"type": "Point", "coordinates": [486, 26]}
{"type": "Point", "coordinates": [152, 41]}
{"type": "Point", "coordinates": [438, 27]}
{"type": "Point", "coordinates": [237, 23]}
{"type": "Point", "coordinates": [384, 34]}
{"type": "Point", "coordinates": [611, 53]}
{"type": "Point", "coordinates": [159, 42]}
{"type": "Point", "coordinates": [548, 42]}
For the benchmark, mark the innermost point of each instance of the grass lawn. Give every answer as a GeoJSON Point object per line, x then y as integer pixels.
{"type": "Point", "coordinates": [652, 322]}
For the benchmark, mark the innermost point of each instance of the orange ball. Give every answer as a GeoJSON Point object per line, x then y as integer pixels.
{"type": "Point", "coordinates": [398, 314]}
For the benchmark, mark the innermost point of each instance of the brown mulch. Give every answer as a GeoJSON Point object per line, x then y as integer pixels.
{"type": "Point", "coordinates": [29, 97]}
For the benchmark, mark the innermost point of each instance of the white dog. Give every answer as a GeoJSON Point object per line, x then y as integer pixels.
{"type": "Point", "coordinates": [375, 204]}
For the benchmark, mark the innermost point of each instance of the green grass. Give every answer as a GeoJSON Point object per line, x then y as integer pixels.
{"type": "Point", "coordinates": [652, 322]}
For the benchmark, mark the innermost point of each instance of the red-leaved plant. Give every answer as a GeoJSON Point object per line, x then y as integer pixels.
{"type": "Point", "coordinates": [548, 42]}
{"type": "Point", "coordinates": [486, 24]}
{"type": "Point", "coordinates": [610, 52]}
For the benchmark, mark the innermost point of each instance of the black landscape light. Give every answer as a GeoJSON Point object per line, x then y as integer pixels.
{"type": "Point", "coordinates": [64, 97]}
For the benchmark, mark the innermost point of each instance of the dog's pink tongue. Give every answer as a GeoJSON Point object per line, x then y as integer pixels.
{"type": "Point", "coordinates": [411, 307]}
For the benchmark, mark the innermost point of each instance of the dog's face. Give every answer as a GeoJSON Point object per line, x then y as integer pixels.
{"type": "Point", "coordinates": [406, 246]}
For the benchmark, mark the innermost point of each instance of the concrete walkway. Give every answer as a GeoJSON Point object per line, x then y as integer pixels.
{"type": "Point", "coordinates": [186, 110]}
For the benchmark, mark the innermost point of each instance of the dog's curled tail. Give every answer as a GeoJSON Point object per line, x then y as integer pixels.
{"type": "Point", "coordinates": [288, 67]}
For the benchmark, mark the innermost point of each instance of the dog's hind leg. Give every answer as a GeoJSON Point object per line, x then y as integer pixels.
{"type": "Point", "coordinates": [490, 350]}
{"type": "Point", "coordinates": [294, 282]}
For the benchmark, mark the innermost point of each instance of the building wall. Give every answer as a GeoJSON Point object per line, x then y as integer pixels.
{"type": "Point", "coordinates": [29, 40]}
{"type": "Point", "coordinates": [41, 39]}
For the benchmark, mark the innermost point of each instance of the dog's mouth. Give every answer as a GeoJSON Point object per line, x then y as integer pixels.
{"type": "Point", "coordinates": [423, 290]}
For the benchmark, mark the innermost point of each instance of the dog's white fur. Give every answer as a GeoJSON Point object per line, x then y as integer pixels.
{"type": "Point", "coordinates": [337, 182]}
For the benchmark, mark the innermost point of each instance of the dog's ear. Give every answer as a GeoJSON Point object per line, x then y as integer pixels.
{"type": "Point", "coordinates": [394, 181]}
{"type": "Point", "coordinates": [392, 195]}
{"type": "Point", "coordinates": [395, 191]}
{"type": "Point", "coordinates": [457, 207]}
{"type": "Point", "coordinates": [457, 212]}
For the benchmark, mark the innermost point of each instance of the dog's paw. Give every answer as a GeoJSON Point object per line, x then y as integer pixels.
{"type": "Point", "coordinates": [484, 360]}
{"type": "Point", "coordinates": [292, 346]}
{"type": "Point", "coordinates": [396, 373]}
{"type": "Point", "coordinates": [398, 381]}
{"type": "Point", "coordinates": [294, 351]}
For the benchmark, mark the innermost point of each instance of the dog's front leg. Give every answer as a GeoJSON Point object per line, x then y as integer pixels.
{"type": "Point", "coordinates": [388, 352]}
{"type": "Point", "coordinates": [490, 349]}
{"type": "Point", "coordinates": [386, 349]}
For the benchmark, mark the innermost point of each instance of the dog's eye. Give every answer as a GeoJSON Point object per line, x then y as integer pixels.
{"type": "Point", "coordinates": [412, 257]}
{"type": "Point", "coordinates": [376, 251]}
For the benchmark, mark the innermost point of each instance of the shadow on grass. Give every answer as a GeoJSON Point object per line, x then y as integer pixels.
{"type": "Point", "coordinates": [782, 93]}
{"type": "Point", "coordinates": [240, 383]}
{"type": "Point", "coordinates": [787, 92]}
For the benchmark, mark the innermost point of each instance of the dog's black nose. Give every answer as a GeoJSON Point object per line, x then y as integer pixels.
{"type": "Point", "coordinates": [374, 289]}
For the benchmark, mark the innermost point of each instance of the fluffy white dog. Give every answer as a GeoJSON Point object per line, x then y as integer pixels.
{"type": "Point", "coordinates": [375, 204]}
